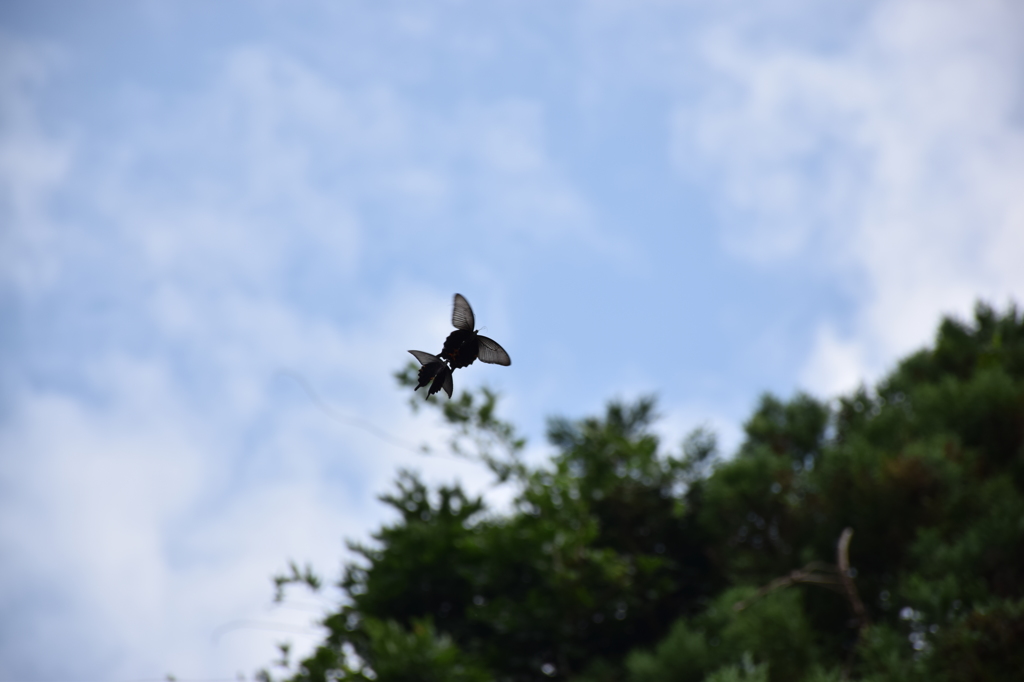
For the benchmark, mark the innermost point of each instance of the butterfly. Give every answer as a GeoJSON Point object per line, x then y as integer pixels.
{"type": "Point", "coordinates": [434, 372]}
{"type": "Point", "coordinates": [464, 345]}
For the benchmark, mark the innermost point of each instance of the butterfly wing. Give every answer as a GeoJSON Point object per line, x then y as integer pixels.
{"type": "Point", "coordinates": [424, 358]}
{"type": "Point", "coordinates": [434, 372]}
{"type": "Point", "coordinates": [443, 379]}
{"type": "Point", "coordinates": [462, 314]}
{"type": "Point", "coordinates": [489, 351]}
{"type": "Point", "coordinates": [447, 386]}
{"type": "Point", "coordinates": [429, 371]}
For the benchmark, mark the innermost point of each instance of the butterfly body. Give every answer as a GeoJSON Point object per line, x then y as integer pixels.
{"type": "Point", "coordinates": [461, 348]}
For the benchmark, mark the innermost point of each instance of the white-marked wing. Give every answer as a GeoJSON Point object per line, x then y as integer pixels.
{"type": "Point", "coordinates": [462, 314]}
{"type": "Point", "coordinates": [491, 352]}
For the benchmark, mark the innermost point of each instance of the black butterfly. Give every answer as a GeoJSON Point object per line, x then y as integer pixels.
{"type": "Point", "coordinates": [433, 370]}
{"type": "Point", "coordinates": [464, 345]}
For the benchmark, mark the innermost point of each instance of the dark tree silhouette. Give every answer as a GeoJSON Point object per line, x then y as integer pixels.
{"type": "Point", "coordinates": [878, 538]}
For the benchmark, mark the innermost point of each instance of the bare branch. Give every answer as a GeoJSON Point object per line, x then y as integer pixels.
{"type": "Point", "coordinates": [843, 561]}
{"type": "Point", "coordinates": [814, 573]}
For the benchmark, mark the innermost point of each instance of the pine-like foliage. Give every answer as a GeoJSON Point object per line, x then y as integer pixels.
{"type": "Point", "coordinates": [621, 561]}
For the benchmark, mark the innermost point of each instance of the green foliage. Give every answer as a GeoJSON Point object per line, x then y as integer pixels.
{"type": "Point", "coordinates": [745, 671]}
{"type": "Point", "coordinates": [774, 631]}
{"type": "Point", "coordinates": [476, 432]}
{"type": "Point", "coordinates": [414, 654]}
{"type": "Point", "coordinates": [622, 560]}
{"type": "Point", "coordinates": [295, 577]}
{"type": "Point", "coordinates": [418, 654]}
{"type": "Point", "coordinates": [983, 646]}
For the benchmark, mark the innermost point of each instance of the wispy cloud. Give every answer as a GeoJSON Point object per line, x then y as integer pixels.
{"type": "Point", "coordinates": [161, 464]}
{"type": "Point", "coordinates": [309, 205]}
{"type": "Point", "coordinates": [892, 157]}
{"type": "Point", "coordinates": [32, 164]}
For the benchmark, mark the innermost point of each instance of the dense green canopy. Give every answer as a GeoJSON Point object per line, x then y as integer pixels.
{"type": "Point", "coordinates": [623, 561]}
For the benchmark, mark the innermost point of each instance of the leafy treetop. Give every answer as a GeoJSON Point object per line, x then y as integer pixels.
{"type": "Point", "coordinates": [879, 537]}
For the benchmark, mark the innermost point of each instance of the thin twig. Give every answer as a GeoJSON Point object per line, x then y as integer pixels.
{"type": "Point", "coordinates": [809, 574]}
{"type": "Point", "coordinates": [261, 625]}
{"type": "Point", "coordinates": [357, 422]}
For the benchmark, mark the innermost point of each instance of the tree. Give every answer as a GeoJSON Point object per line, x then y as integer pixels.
{"type": "Point", "coordinates": [879, 537]}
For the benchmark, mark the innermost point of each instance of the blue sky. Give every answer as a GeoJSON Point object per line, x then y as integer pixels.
{"type": "Point", "coordinates": [196, 199]}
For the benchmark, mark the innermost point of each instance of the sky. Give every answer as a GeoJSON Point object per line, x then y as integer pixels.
{"type": "Point", "coordinates": [207, 208]}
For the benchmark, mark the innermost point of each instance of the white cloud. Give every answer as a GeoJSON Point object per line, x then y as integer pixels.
{"type": "Point", "coordinates": [161, 466]}
{"type": "Point", "coordinates": [896, 157]}
{"type": "Point", "coordinates": [149, 537]}
{"type": "Point", "coordinates": [147, 519]}
{"type": "Point", "coordinates": [680, 420]}
{"type": "Point", "coordinates": [837, 363]}
{"type": "Point", "coordinates": [163, 470]}
{"type": "Point", "coordinates": [32, 163]}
